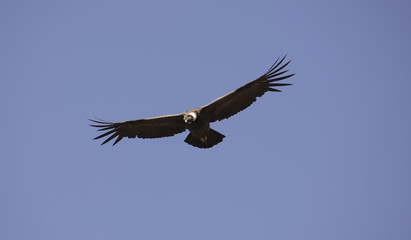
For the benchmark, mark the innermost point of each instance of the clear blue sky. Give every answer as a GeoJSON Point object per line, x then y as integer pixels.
{"type": "Point", "coordinates": [328, 158]}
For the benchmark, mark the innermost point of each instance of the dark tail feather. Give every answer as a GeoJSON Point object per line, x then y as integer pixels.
{"type": "Point", "coordinates": [210, 140]}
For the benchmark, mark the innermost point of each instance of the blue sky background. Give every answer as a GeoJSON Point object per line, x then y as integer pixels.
{"type": "Point", "coordinates": [329, 158]}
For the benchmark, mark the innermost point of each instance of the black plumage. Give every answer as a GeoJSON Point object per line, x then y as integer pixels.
{"type": "Point", "coordinates": [197, 120]}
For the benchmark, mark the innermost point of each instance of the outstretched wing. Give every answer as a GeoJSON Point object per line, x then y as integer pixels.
{"type": "Point", "coordinates": [239, 99]}
{"type": "Point", "coordinates": [156, 127]}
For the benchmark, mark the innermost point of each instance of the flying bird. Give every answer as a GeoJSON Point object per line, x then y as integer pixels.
{"type": "Point", "coordinates": [197, 120]}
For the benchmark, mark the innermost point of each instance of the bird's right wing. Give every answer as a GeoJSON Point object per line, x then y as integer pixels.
{"type": "Point", "coordinates": [156, 127]}
{"type": "Point", "coordinates": [241, 98]}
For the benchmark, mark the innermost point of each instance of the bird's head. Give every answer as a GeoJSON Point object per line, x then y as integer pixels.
{"type": "Point", "coordinates": [190, 117]}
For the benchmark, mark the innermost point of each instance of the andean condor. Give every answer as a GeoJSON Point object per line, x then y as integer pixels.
{"type": "Point", "coordinates": [197, 120]}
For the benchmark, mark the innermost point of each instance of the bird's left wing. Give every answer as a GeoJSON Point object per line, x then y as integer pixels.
{"type": "Point", "coordinates": [156, 127]}
{"type": "Point", "coordinates": [239, 99]}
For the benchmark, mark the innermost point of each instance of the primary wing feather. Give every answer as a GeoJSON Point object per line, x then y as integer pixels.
{"type": "Point", "coordinates": [239, 99]}
{"type": "Point", "coordinates": [156, 127]}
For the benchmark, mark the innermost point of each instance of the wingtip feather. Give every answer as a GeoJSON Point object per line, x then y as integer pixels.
{"type": "Point", "coordinates": [274, 90]}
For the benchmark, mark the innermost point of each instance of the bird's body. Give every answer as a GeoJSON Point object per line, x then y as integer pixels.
{"type": "Point", "coordinates": [201, 135]}
{"type": "Point", "coordinates": [200, 126]}
{"type": "Point", "coordinates": [197, 120]}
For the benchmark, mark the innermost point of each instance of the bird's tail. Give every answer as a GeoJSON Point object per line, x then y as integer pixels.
{"type": "Point", "coordinates": [213, 137]}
